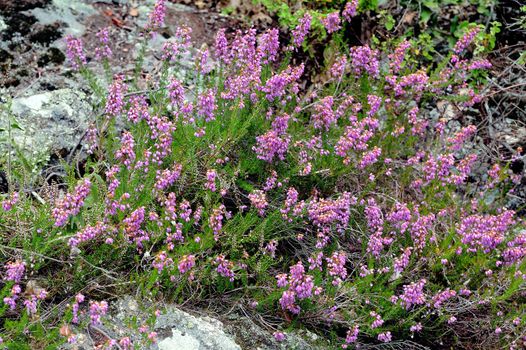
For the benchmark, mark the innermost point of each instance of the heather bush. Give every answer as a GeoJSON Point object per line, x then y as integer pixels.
{"type": "Point", "coordinates": [341, 206]}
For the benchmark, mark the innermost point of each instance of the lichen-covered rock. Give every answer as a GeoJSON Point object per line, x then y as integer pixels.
{"type": "Point", "coordinates": [183, 331]}
{"type": "Point", "coordinates": [51, 122]}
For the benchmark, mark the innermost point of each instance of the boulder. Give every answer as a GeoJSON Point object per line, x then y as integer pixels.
{"type": "Point", "coordinates": [187, 332]}
{"type": "Point", "coordinates": [49, 123]}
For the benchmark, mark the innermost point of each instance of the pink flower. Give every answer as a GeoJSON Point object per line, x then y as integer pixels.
{"type": "Point", "coordinates": [210, 184]}
{"type": "Point", "coordinates": [269, 45]}
{"type": "Point", "coordinates": [104, 50]}
{"type": "Point", "coordinates": [224, 267]}
{"type": "Point", "coordinates": [365, 60]}
{"type": "Point", "coordinates": [156, 17]}
{"type": "Point", "coordinates": [271, 145]}
{"type": "Point", "coordinates": [301, 31]}
{"type": "Point", "coordinates": [186, 263]}
{"type": "Point", "coordinates": [464, 42]}
{"type": "Point", "coordinates": [413, 294]}
{"type": "Point", "coordinates": [97, 310]}
{"type": "Point", "coordinates": [385, 337]}
{"type": "Point", "coordinates": [115, 99]}
{"type": "Point", "coordinates": [352, 335]}
{"type": "Point", "coordinates": [258, 200]}
{"type": "Point", "coordinates": [279, 336]}
{"type": "Point", "coordinates": [332, 22]}
{"type": "Point", "coordinates": [206, 105]}
{"type": "Point", "coordinates": [349, 10]}
{"type": "Point", "coordinates": [75, 52]}
{"type": "Point", "coordinates": [8, 204]}
{"type": "Point", "coordinates": [336, 267]}
{"type": "Point", "coordinates": [15, 271]}
{"type": "Point", "coordinates": [71, 204]}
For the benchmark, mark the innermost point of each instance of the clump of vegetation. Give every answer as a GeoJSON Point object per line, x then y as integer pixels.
{"type": "Point", "coordinates": [342, 207]}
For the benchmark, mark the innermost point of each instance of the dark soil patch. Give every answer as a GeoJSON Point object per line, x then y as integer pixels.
{"type": "Point", "coordinates": [4, 187]}
{"type": "Point", "coordinates": [18, 24]}
{"type": "Point", "coordinates": [7, 6]}
{"type": "Point", "coordinates": [52, 55]}
{"type": "Point", "coordinates": [45, 34]}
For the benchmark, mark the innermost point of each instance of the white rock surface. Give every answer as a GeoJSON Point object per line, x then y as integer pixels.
{"type": "Point", "coordinates": [191, 333]}
{"type": "Point", "coordinates": [51, 122]}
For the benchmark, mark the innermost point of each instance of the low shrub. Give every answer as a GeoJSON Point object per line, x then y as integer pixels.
{"type": "Point", "coordinates": [343, 206]}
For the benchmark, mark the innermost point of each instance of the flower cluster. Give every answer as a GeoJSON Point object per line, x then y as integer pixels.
{"type": "Point", "coordinates": [258, 199]}
{"type": "Point", "coordinates": [8, 203]}
{"type": "Point", "coordinates": [75, 52]}
{"type": "Point", "coordinates": [71, 204]}
{"type": "Point", "coordinates": [104, 50]}
{"type": "Point", "coordinates": [413, 294]}
{"type": "Point", "coordinates": [300, 286]}
{"type": "Point", "coordinates": [97, 309]}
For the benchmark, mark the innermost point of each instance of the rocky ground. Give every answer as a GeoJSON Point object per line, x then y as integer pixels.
{"type": "Point", "coordinates": [180, 330]}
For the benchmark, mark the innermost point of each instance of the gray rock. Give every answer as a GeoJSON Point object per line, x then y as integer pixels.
{"type": "Point", "coordinates": [69, 12]}
{"type": "Point", "coordinates": [51, 122]}
{"type": "Point", "coordinates": [3, 26]}
{"type": "Point", "coordinates": [192, 333]}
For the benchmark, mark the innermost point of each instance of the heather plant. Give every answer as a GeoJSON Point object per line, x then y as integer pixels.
{"type": "Point", "coordinates": [434, 25]}
{"type": "Point", "coordinates": [342, 206]}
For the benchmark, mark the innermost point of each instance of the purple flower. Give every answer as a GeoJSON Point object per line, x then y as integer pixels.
{"type": "Point", "coordinates": [202, 64]}
{"type": "Point", "coordinates": [397, 57]}
{"type": "Point", "coordinates": [300, 286]}
{"type": "Point", "coordinates": [352, 335]}
{"type": "Point", "coordinates": [290, 201]}
{"type": "Point", "coordinates": [485, 232]}
{"type": "Point", "coordinates": [413, 294]}
{"type": "Point", "coordinates": [385, 337]}
{"type": "Point", "coordinates": [97, 310]}
{"type": "Point", "coordinates": [378, 322]}
{"type": "Point", "coordinates": [401, 262]}
{"type": "Point", "coordinates": [8, 204]}
{"type": "Point", "coordinates": [332, 22]}
{"type": "Point", "coordinates": [71, 203]}
{"type": "Point", "coordinates": [206, 105]}
{"type": "Point", "coordinates": [271, 145]}
{"type": "Point", "coordinates": [211, 180]}
{"type": "Point", "coordinates": [156, 17]}
{"type": "Point", "coordinates": [176, 92]}
{"type": "Point", "coordinates": [88, 233]}
{"type": "Point", "coordinates": [279, 336]}
{"type": "Point", "coordinates": [464, 42]}
{"type": "Point", "coordinates": [15, 271]}
{"type": "Point", "coordinates": [221, 45]}
{"type": "Point", "coordinates": [175, 48]}
{"type": "Point", "coordinates": [103, 51]}
{"type": "Point", "coordinates": [275, 87]}
{"type": "Point", "coordinates": [216, 220]}
{"type": "Point", "coordinates": [336, 267]}
{"type": "Point", "coordinates": [370, 157]}
{"type": "Point", "coordinates": [417, 327]}
{"type": "Point", "coordinates": [365, 60]}
{"type": "Point", "coordinates": [338, 67]}
{"type": "Point", "coordinates": [138, 109]}
{"type": "Point", "coordinates": [115, 99]}
{"type": "Point", "coordinates": [299, 33]}
{"type": "Point", "coordinates": [224, 267]}
{"type": "Point", "coordinates": [349, 10]}
{"type": "Point", "coordinates": [126, 154]}
{"type": "Point", "coordinates": [269, 45]}
{"type": "Point", "coordinates": [75, 52]}
{"type": "Point", "coordinates": [186, 263]}
{"type": "Point", "coordinates": [258, 199]}
{"type": "Point", "coordinates": [324, 116]}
